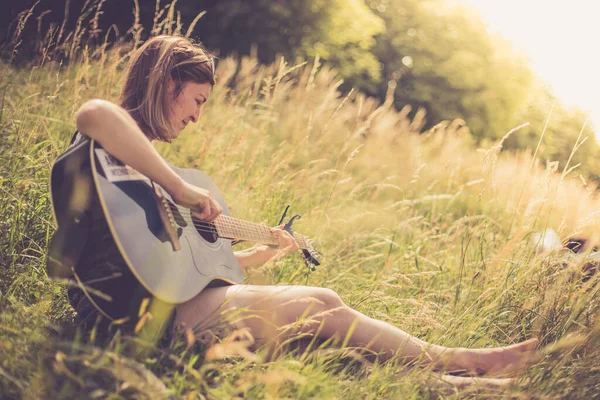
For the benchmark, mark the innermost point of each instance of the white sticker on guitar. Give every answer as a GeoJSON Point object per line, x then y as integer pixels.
{"type": "Point", "coordinates": [115, 170]}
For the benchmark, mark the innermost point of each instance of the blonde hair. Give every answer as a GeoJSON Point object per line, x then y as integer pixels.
{"type": "Point", "coordinates": [160, 59]}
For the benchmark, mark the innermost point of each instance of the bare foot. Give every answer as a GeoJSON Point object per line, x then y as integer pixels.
{"type": "Point", "coordinates": [450, 384]}
{"type": "Point", "coordinates": [461, 382]}
{"type": "Point", "coordinates": [497, 361]}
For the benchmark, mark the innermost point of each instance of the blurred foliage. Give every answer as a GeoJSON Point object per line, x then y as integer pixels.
{"type": "Point", "coordinates": [567, 130]}
{"type": "Point", "coordinates": [419, 229]}
{"type": "Point", "coordinates": [437, 54]}
{"type": "Point", "coordinates": [444, 60]}
{"type": "Point", "coordinates": [340, 31]}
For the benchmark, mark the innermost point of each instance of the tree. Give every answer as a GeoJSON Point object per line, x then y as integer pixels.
{"type": "Point", "coordinates": [338, 31]}
{"type": "Point", "coordinates": [560, 138]}
{"type": "Point", "coordinates": [446, 62]}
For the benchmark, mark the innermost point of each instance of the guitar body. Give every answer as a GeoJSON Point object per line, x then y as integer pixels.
{"type": "Point", "coordinates": [135, 223]}
{"type": "Point", "coordinates": [140, 233]}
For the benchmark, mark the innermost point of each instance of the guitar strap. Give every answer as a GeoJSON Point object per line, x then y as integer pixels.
{"type": "Point", "coordinates": [76, 139]}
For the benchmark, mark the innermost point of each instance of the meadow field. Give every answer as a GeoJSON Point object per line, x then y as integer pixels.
{"type": "Point", "coordinates": [423, 229]}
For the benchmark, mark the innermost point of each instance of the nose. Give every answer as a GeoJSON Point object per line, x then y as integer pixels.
{"type": "Point", "coordinates": [194, 117]}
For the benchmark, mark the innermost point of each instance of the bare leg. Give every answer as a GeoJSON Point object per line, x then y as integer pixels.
{"type": "Point", "coordinates": [448, 382]}
{"type": "Point", "coordinates": [281, 312]}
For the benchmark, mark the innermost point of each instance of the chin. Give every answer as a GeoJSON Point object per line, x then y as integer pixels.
{"type": "Point", "coordinates": [174, 135]}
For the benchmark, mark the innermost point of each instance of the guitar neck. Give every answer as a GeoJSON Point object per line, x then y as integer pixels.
{"type": "Point", "coordinates": [233, 228]}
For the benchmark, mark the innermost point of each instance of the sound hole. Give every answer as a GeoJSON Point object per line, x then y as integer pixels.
{"type": "Point", "coordinates": [205, 229]}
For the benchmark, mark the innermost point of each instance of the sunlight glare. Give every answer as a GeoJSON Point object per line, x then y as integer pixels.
{"type": "Point", "coordinates": [560, 38]}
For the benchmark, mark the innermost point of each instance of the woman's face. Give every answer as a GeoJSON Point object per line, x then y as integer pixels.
{"type": "Point", "coordinates": [185, 107]}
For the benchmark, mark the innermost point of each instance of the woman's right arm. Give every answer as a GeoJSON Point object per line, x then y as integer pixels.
{"type": "Point", "coordinates": [119, 134]}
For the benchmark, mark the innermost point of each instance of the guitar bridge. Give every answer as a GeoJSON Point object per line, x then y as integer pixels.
{"type": "Point", "coordinates": [166, 216]}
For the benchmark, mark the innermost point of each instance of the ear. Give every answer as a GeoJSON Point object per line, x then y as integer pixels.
{"type": "Point", "coordinates": [171, 88]}
{"type": "Point", "coordinates": [174, 88]}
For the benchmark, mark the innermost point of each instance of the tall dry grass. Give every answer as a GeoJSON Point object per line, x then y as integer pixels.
{"type": "Point", "coordinates": [419, 229]}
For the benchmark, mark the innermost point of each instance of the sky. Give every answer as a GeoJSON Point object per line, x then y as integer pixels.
{"type": "Point", "coordinates": [562, 39]}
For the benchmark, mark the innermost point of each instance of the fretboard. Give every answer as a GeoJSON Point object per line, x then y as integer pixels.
{"type": "Point", "coordinates": [233, 228]}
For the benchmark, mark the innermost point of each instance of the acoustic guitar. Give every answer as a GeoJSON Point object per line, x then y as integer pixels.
{"type": "Point", "coordinates": [171, 253]}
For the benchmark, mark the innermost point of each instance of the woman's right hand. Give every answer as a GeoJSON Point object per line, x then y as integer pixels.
{"type": "Point", "coordinates": [200, 201]}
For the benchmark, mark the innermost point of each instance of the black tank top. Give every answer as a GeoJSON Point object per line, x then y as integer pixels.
{"type": "Point", "coordinates": [112, 291]}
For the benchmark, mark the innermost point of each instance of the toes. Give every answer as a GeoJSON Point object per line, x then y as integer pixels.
{"type": "Point", "coordinates": [527, 345]}
{"type": "Point", "coordinates": [531, 344]}
{"type": "Point", "coordinates": [515, 364]}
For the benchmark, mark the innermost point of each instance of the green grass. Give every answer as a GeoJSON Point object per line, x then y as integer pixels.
{"type": "Point", "coordinates": [419, 229]}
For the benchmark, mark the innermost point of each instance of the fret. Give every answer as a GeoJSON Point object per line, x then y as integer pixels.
{"type": "Point", "coordinates": [301, 240]}
{"type": "Point", "coordinates": [233, 228]}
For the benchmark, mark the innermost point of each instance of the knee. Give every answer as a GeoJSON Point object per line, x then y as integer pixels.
{"type": "Point", "coordinates": [328, 298]}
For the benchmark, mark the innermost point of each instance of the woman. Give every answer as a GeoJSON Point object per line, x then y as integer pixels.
{"type": "Point", "coordinates": [168, 82]}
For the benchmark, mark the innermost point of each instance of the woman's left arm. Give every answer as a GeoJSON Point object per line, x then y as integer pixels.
{"type": "Point", "coordinates": [258, 254]}
{"type": "Point", "coordinates": [262, 253]}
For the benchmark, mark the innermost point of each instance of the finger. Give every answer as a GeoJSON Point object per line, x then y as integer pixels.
{"type": "Point", "coordinates": [219, 208]}
{"type": "Point", "coordinates": [213, 216]}
{"type": "Point", "coordinates": [277, 231]}
{"type": "Point", "coordinates": [210, 218]}
{"type": "Point", "coordinates": [282, 252]}
{"type": "Point", "coordinates": [291, 239]}
{"type": "Point", "coordinates": [285, 240]}
{"type": "Point", "coordinates": [286, 250]}
{"type": "Point", "coordinates": [216, 206]}
{"type": "Point", "coordinates": [279, 235]}
{"type": "Point", "coordinates": [215, 210]}
{"type": "Point", "coordinates": [295, 246]}
{"type": "Point", "coordinates": [205, 213]}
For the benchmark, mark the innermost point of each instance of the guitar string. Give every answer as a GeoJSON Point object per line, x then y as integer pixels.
{"type": "Point", "coordinates": [251, 229]}
{"type": "Point", "coordinates": [248, 234]}
{"type": "Point", "coordinates": [226, 224]}
{"type": "Point", "coordinates": [302, 243]}
{"type": "Point", "coordinates": [247, 229]}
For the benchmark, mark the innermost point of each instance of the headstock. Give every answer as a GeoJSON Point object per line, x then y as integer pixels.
{"type": "Point", "coordinates": [311, 255]}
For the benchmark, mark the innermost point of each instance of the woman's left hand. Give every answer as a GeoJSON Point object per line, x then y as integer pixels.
{"type": "Point", "coordinates": [287, 243]}
{"type": "Point", "coordinates": [261, 253]}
